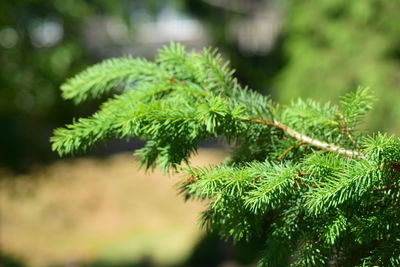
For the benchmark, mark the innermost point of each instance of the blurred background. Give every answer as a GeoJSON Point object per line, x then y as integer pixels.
{"type": "Point", "coordinates": [99, 210]}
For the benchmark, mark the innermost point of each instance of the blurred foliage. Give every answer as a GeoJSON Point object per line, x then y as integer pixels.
{"type": "Point", "coordinates": [41, 44]}
{"type": "Point", "coordinates": [333, 46]}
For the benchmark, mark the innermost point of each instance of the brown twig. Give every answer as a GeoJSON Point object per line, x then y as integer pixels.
{"type": "Point", "coordinates": [308, 140]}
{"type": "Point", "coordinates": [288, 150]}
{"type": "Point", "coordinates": [345, 128]}
{"type": "Point", "coordinates": [387, 187]}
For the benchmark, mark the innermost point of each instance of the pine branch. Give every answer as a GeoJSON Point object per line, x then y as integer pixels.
{"type": "Point", "coordinates": [306, 139]}
{"type": "Point", "coordinates": [355, 105]}
{"type": "Point", "coordinates": [327, 197]}
{"type": "Point", "coordinates": [108, 75]}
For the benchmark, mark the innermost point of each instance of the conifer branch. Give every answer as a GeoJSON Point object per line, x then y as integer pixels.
{"type": "Point", "coordinates": [306, 139]}
{"type": "Point", "coordinates": [312, 204]}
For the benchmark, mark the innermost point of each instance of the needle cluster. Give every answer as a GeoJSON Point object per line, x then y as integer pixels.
{"type": "Point", "coordinates": [303, 176]}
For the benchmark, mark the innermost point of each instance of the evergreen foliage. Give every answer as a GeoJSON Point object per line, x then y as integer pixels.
{"type": "Point", "coordinates": [303, 176]}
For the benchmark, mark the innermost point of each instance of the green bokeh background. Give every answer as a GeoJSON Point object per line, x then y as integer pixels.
{"type": "Point", "coordinates": [319, 49]}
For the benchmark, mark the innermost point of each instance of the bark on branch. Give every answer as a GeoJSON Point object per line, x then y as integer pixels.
{"type": "Point", "coordinates": [306, 139]}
